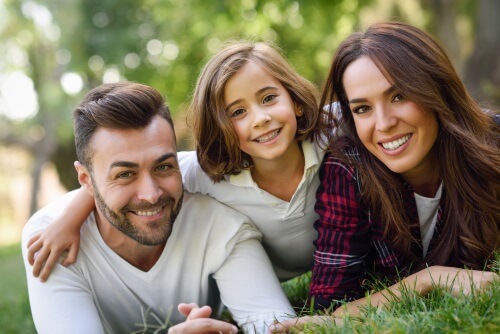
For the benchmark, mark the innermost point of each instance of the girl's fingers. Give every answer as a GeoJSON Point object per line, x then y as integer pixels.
{"type": "Point", "coordinates": [48, 266]}
{"type": "Point", "coordinates": [40, 259]}
{"type": "Point", "coordinates": [33, 247]}
{"type": "Point", "coordinates": [33, 239]}
{"type": "Point", "coordinates": [72, 254]}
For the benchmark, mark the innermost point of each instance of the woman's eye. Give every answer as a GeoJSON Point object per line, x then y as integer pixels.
{"type": "Point", "coordinates": [237, 112]}
{"type": "Point", "coordinates": [397, 98]}
{"type": "Point", "coordinates": [360, 110]}
{"type": "Point", "coordinates": [269, 98]}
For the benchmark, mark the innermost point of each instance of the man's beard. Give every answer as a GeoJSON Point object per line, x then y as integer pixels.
{"type": "Point", "coordinates": [159, 231]}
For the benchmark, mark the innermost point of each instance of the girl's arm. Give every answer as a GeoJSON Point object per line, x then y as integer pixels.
{"type": "Point", "coordinates": [45, 248]}
{"type": "Point", "coordinates": [455, 280]}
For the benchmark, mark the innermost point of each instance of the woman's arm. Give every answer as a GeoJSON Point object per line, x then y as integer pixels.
{"type": "Point", "coordinates": [454, 280]}
{"type": "Point", "coordinates": [344, 238]}
{"type": "Point", "coordinates": [45, 248]}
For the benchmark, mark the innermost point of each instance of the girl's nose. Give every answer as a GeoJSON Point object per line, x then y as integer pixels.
{"type": "Point", "coordinates": [261, 117]}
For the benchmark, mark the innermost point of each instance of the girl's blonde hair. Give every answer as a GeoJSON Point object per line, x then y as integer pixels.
{"type": "Point", "coordinates": [217, 145]}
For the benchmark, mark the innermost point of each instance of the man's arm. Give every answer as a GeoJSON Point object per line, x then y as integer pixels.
{"type": "Point", "coordinates": [64, 304]}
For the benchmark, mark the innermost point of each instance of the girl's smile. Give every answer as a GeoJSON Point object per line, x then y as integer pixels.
{"type": "Point", "coordinates": [263, 114]}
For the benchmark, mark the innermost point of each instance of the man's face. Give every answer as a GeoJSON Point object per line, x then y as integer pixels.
{"type": "Point", "coordinates": [136, 181]}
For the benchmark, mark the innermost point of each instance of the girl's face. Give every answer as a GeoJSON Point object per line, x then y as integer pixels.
{"type": "Point", "coordinates": [262, 112]}
{"type": "Point", "coordinates": [395, 130]}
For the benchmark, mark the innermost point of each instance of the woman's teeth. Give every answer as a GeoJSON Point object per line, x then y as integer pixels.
{"type": "Point", "coordinates": [391, 146]}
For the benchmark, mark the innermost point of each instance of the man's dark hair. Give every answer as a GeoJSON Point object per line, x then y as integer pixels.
{"type": "Point", "coordinates": [124, 105]}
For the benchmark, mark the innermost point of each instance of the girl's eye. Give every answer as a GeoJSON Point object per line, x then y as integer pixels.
{"type": "Point", "coordinates": [237, 112]}
{"type": "Point", "coordinates": [360, 110]}
{"type": "Point", "coordinates": [397, 98]}
{"type": "Point", "coordinates": [269, 98]}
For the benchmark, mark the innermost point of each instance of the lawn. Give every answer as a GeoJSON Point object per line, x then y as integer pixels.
{"type": "Point", "coordinates": [15, 315]}
{"type": "Point", "coordinates": [436, 313]}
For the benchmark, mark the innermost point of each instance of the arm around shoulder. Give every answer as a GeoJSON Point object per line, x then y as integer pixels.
{"type": "Point", "coordinates": [46, 247]}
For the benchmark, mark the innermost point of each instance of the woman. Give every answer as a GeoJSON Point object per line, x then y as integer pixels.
{"type": "Point", "coordinates": [412, 189]}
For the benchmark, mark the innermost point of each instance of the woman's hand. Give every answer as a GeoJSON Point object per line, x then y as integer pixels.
{"type": "Point", "coordinates": [297, 324]}
{"type": "Point", "coordinates": [455, 280]}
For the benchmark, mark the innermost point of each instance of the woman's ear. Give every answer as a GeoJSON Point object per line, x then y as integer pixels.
{"type": "Point", "coordinates": [84, 177]}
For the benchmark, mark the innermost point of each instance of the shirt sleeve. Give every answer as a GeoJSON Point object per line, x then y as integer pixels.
{"type": "Point", "coordinates": [194, 178]}
{"type": "Point", "coordinates": [248, 285]}
{"type": "Point", "coordinates": [63, 304]}
{"type": "Point", "coordinates": [343, 240]}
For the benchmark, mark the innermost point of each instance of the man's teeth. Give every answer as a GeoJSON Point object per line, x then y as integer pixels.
{"type": "Point", "coordinates": [391, 146]}
{"type": "Point", "coordinates": [268, 137]}
{"type": "Point", "coordinates": [148, 213]}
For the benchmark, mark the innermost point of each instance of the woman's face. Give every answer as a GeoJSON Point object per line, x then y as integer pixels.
{"type": "Point", "coordinates": [395, 130]}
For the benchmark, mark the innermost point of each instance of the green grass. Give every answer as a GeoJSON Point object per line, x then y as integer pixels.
{"type": "Point", "coordinates": [437, 312]}
{"type": "Point", "coordinates": [15, 315]}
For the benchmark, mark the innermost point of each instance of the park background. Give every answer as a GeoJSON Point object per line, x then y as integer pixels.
{"type": "Point", "coordinates": [53, 51]}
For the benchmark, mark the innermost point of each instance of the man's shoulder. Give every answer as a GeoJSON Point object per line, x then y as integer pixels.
{"type": "Point", "coordinates": [204, 204]}
{"type": "Point", "coordinates": [46, 215]}
{"type": "Point", "coordinates": [208, 213]}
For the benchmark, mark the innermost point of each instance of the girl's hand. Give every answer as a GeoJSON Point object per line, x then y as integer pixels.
{"type": "Point", "coordinates": [45, 248]}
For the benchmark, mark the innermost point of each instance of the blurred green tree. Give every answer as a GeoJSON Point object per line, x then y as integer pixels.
{"type": "Point", "coordinates": [82, 43]}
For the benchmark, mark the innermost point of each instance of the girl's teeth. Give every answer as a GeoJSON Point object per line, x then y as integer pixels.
{"type": "Point", "coordinates": [391, 146]}
{"type": "Point", "coordinates": [267, 137]}
{"type": "Point", "coordinates": [148, 213]}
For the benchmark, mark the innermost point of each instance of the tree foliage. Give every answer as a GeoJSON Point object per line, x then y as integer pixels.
{"type": "Point", "coordinates": [164, 43]}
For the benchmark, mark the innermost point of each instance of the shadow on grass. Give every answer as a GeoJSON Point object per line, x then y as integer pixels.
{"type": "Point", "coordinates": [15, 315]}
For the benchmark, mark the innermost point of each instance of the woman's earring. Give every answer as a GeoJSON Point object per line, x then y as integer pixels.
{"type": "Point", "coordinates": [299, 112]}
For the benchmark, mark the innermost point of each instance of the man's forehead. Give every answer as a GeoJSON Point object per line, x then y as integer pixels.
{"type": "Point", "coordinates": [151, 142]}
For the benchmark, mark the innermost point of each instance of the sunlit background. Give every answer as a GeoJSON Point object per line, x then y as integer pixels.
{"type": "Point", "coordinates": [53, 51]}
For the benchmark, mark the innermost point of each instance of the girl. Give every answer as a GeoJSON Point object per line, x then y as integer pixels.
{"type": "Point", "coordinates": [256, 123]}
{"type": "Point", "coordinates": [412, 190]}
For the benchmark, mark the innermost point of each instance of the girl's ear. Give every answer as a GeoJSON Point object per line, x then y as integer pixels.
{"type": "Point", "coordinates": [298, 111]}
{"type": "Point", "coordinates": [84, 177]}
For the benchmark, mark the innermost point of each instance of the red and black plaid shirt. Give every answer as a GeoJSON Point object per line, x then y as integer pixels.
{"type": "Point", "coordinates": [350, 247]}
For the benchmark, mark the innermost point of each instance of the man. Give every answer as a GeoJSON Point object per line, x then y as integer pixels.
{"type": "Point", "coordinates": [148, 246]}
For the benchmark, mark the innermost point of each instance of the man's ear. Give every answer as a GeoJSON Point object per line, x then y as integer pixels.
{"type": "Point", "coordinates": [84, 177]}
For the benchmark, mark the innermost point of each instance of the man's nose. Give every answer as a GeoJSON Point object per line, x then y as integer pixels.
{"type": "Point", "coordinates": [149, 190]}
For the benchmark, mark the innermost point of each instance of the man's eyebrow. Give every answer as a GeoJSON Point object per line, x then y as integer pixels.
{"type": "Point", "coordinates": [165, 157]}
{"type": "Point", "coordinates": [128, 164]}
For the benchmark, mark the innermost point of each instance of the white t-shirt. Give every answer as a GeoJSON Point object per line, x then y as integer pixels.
{"type": "Point", "coordinates": [287, 227]}
{"type": "Point", "coordinates": [427, 215]}
{"type": "Point", "coordinates": [103, 293]}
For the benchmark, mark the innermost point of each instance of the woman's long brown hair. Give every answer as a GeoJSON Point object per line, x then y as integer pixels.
{"type": "Point", "coordinates": [467, 144]}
